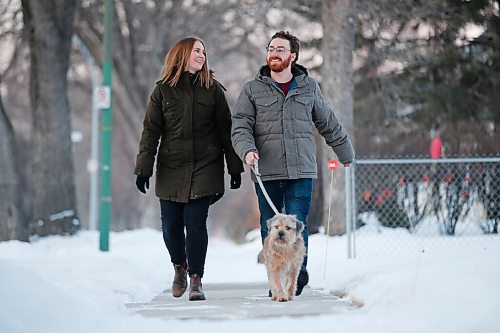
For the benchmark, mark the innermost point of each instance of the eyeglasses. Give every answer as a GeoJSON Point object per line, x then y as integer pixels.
{"type": "Point", "coordinates": [279, 49]}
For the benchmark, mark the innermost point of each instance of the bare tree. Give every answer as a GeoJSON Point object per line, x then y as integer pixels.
{"type": "Point", "coordinates": [339, 28]}
{"type": "Point", "coordinates": [49, 27]}
{"type": "Point", "coordinates": [142, 34]}
{"type": "Point", "coordinates": [13, 209]}
{"type": "Point", "coordinates": [13, 223]}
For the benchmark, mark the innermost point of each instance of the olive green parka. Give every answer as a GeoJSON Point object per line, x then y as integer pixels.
{"type": "Point", "coordinates": [193, 127]}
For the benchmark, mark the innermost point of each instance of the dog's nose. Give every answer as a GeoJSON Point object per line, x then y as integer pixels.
{"type": "Point", "coordinates": [281, 233]}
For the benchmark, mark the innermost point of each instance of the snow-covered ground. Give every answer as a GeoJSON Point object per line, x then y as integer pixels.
{"type": "Point", "coordinates": [65, 284]}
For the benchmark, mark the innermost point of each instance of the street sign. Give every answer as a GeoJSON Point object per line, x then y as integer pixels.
{"type": "Point", "coordinates": [333, 164]}
{"type": "Point", "coordinates": [102, 97]}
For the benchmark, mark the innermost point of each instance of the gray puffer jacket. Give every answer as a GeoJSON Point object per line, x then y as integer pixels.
{"type": "Point", "coordinates": [280, 128]}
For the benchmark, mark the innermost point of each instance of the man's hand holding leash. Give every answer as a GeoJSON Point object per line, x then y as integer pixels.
{"type": "Point", "coordinates": [251, 157]}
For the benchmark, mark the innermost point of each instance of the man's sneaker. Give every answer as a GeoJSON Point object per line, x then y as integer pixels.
{"type": "Point", "coordinates": [302, 281]}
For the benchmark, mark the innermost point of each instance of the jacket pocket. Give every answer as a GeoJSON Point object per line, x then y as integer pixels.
{"type": "Point", "coordinates": [268, 111]}
{"type": "Point", "coordinates": [204, 107]}
{"type": "Point", "coordinates": [265, 102]}
{"type": "Point", "coordinates": [168, 156]}
{"type": "Point", "coordinates": [272, 157]}
{"type": "Point", "coordinates": [306, 152]}
{"type": "Point", "coordinates": [304, 100]}
{"type": "Point", "coordinates": [302, 109]}
{"type": "Point", "coordinates": [171, 109]}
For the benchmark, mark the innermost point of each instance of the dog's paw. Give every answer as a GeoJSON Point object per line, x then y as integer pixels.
{"type": "Point", "coordinates": [280, 297]}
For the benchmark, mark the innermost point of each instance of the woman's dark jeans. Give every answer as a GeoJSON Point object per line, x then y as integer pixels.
{"type": "Point", "coordinates": [192, 245]}
{"type": "Point", "coordinates": [290, 196]}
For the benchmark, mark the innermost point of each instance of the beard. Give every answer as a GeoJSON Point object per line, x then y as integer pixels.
{"type": "Point", "coordinates": [281, 66]}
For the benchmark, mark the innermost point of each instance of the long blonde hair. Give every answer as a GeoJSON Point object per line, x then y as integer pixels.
{"type": "Point", "coordinates": [177, 59]}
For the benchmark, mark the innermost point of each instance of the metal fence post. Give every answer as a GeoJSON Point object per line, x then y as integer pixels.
{"type": "Point", "coordinates": [348, 209]}
{"type": "Point", "coordinates": [354, 211]}
{"type": "Point", "coordinates": [93, 163]}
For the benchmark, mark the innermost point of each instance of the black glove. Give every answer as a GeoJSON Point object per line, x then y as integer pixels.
{"type": "Point", "coordinates": [216, 198]}
{"type": "Point", "coordinates": [142, 181]}
{"type": "Point", "coordinates": [235, 181]}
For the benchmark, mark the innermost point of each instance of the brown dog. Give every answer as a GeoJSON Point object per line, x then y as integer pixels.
{"type": "Point", "coordinates": [283, 252]}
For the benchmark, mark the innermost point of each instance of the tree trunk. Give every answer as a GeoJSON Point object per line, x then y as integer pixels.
{"type": "Point", "coordinates": [49, 27]}
{"type": "Point", "coordinates": [315, 217]}
{"type": "Point", "coordinates": [13, 221]}
{"type": "Point", "coordinates": [339, 27]}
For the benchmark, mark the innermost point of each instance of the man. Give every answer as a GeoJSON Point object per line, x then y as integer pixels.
{"type": "Point", "coordinates": [273, 123]}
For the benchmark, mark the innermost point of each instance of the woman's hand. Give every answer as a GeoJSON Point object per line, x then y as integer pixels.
{"type": "Point", "coordinates": [142, 182]}
{"type": "Point", "coordinates": [235, 181]}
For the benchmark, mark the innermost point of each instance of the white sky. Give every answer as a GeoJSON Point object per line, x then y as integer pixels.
{"type": "Point", "coordinates": [65, 284]}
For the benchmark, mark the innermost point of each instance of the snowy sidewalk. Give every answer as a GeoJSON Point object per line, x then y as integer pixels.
{"type": "Point", "coordinates": [241, 301]}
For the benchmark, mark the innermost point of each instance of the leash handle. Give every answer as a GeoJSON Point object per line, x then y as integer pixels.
{"type": "Point", "coordinates": [255, 169]}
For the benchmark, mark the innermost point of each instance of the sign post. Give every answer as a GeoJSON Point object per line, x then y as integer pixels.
{"type": "Point", "coordinates": [103, 95]}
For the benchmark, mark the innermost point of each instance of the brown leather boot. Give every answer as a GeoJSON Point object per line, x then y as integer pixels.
{"type": "Point", "coordinates": [195, 291]}
{"type": "Point", "coordinates": [180, 280]}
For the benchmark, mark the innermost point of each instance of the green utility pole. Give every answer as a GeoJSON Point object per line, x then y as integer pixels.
{"type": "Point", "coordinates": [105, 202]}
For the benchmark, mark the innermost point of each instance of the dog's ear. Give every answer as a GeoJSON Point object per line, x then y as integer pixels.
{"type": "Point", "coordinates": [300, 226]}
{"type": "Point", "coordinates": [270, 222]}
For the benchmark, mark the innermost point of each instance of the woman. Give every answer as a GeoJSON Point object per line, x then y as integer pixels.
{"type": "Point", "coordinates": [188, 114]}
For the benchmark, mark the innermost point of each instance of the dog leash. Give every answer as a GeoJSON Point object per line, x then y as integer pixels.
{"type": "Point", "coordinates": [255, 169]}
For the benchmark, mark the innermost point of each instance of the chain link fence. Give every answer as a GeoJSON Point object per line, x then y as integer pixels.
{"type": "Point", "coordinates": [399, 205]}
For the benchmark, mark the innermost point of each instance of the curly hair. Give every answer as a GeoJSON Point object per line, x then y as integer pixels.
{"type": "Point", "coordinates": [294, 42]}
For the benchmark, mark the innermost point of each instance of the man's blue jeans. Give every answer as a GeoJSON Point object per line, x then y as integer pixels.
{"type": "Point", "coordinates": [290, 196]}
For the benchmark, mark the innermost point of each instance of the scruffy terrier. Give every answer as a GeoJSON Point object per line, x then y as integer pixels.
{"type": "Point", "coordinates": [283, 252]}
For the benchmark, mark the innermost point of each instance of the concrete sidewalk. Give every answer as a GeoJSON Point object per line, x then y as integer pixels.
{"type": "Point", "coordinates": [241, 301]}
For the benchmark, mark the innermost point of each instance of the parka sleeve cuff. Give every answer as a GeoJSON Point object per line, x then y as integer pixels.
{"type": "Point", "coordinates": [141, 172]}
{"type": "Point", "coordinates": [345, 152]}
